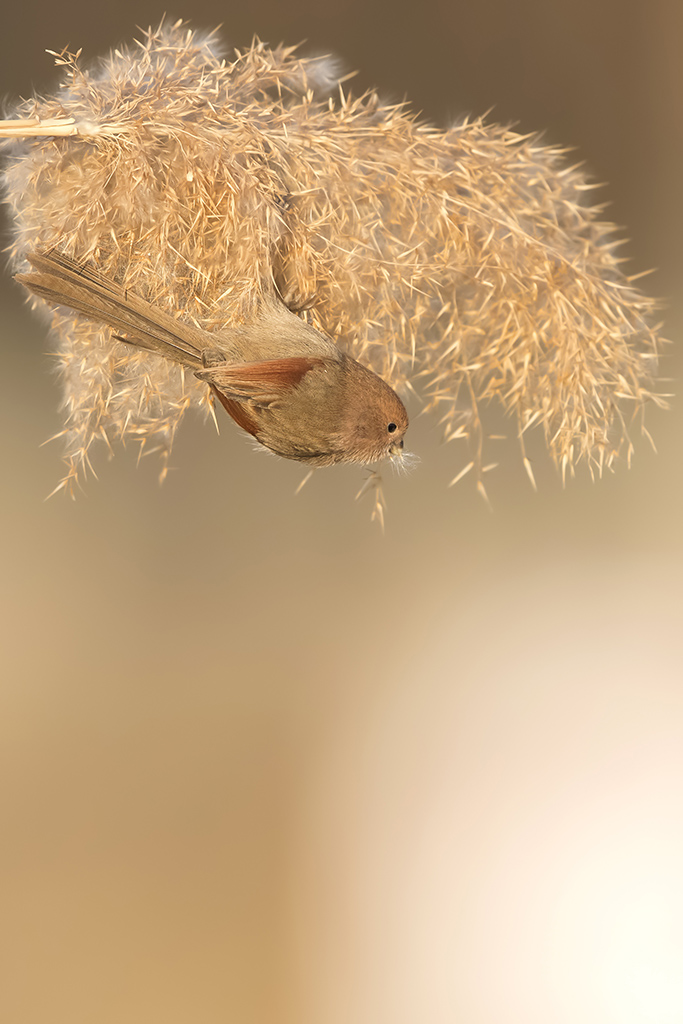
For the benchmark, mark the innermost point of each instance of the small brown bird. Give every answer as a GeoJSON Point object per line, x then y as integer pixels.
{"type": "Point", "coordinates": [280, 379]}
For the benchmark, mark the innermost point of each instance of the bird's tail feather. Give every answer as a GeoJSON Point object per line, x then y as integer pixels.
{"type": "Point", "coordinates": [59, 279]}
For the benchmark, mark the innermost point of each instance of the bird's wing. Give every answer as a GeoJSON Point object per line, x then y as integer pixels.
{"type": "Point", "coordinates": [260, 383]}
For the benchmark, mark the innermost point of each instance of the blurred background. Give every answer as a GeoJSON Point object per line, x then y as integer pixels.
{"type": "Point", "coordinates": [260, 762]}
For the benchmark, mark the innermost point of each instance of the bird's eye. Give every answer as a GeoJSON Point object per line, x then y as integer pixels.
{"type": "Point", "coordinates": [392, 427]}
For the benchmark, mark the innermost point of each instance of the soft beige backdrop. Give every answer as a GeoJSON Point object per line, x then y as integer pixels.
{"type": "Point", "coordinates": [259, 763]}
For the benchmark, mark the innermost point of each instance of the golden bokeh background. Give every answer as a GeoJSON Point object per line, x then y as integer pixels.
{"type": "Point", "coordinates": [260, 762]}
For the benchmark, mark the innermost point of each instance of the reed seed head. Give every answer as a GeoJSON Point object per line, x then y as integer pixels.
{"type": "Point", "coordinates": [466, 261]}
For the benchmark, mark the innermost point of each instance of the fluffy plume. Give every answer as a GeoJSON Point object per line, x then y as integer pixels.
{"type": "Point", "coordinates": [465, 259]}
